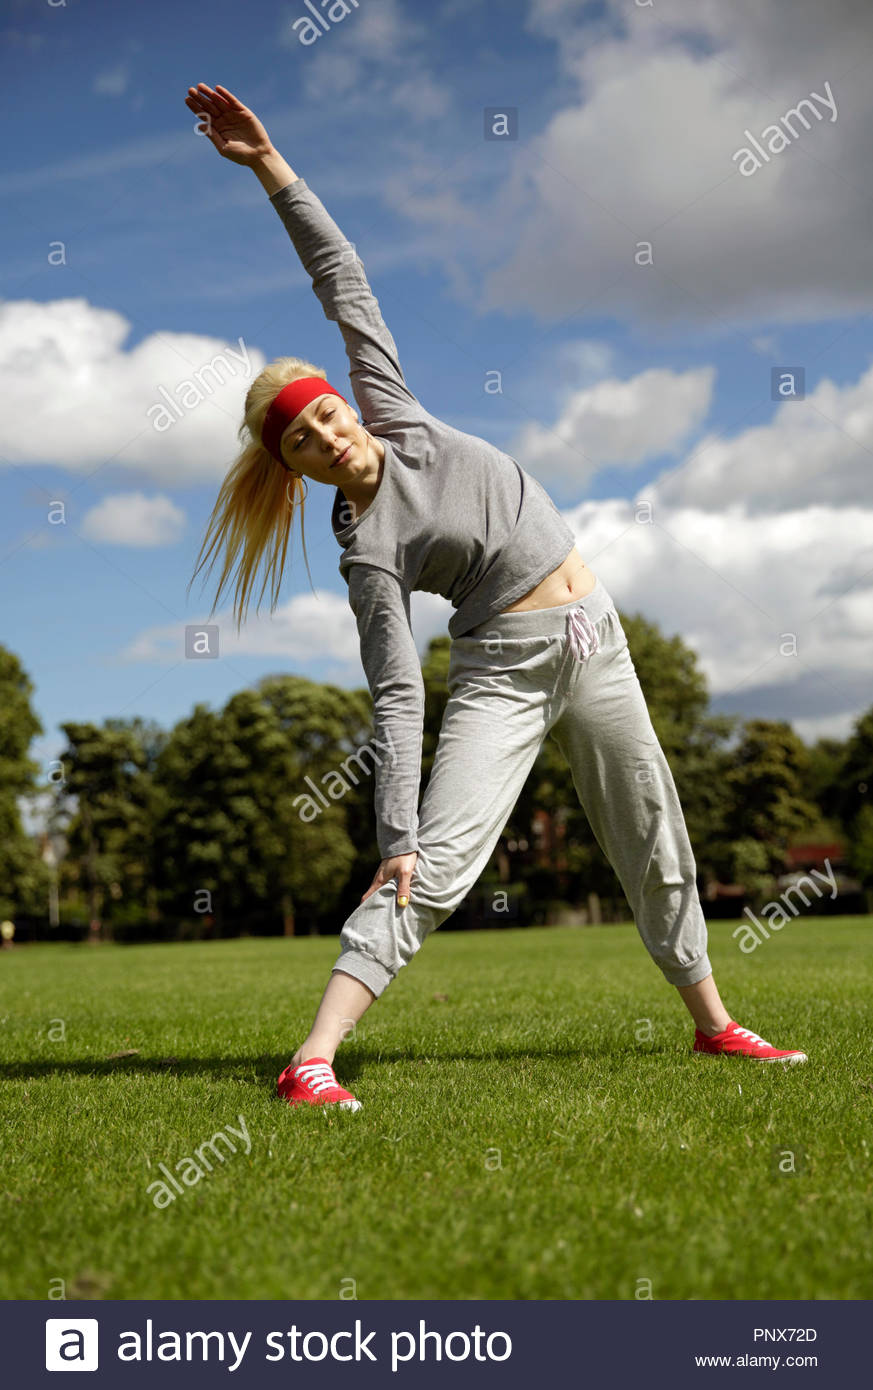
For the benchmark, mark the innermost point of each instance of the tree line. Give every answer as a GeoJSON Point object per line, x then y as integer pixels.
{"type": "Point", "coordinates": [258, 816]}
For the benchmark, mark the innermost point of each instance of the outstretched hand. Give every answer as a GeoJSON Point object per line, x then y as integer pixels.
{"type": "Point", "coordinates": [401, 867]}
{"type": "Point", "coordinates": [234, 130]}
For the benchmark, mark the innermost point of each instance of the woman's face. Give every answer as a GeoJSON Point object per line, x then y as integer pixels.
{"type": "Point", "coordinates": [326, 429]}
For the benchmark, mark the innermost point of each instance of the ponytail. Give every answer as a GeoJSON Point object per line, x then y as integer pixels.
{"type": "Point", "coordinates": [254, 512]}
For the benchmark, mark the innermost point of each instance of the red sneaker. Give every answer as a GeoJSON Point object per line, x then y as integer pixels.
{"type": "Point", "coordinates": [742, 1042]}
{"type": "Point", "coordinates": [314, 1083]}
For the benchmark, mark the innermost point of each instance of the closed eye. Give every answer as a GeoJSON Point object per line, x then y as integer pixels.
{"type": "Point", "coordinates": [328, 416]}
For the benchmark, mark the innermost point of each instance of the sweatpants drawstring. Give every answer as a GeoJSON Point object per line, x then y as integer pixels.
{"type": "Point", "coordinates": [581, 635]}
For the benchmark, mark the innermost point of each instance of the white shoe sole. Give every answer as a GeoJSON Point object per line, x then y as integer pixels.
{"type": "Point", "coordinates": [749, 1057]}
{"type": "Point", "coordinates": [327, 1105]}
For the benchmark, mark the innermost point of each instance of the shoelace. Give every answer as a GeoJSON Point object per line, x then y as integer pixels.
{"type": "Point", "coordinates": [317, 1076]}
{"type": "Point", "coordinates": [580, 634]}
{"type": "Point", "coordinates": [753, 1037]}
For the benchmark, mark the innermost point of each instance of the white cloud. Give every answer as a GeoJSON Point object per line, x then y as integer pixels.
{"type": "Point", "coordinates": [304, 624]}
{"type": "Point", "coordinates": [816, 450]}
{"type": "Point", "coordinates": [420, 96]}
{"type": "Point", "coordinates": [735, 586]}
{"type": "Point", "coordinates": [305, 629]}
{"type": "Point", "coordinates": [132, 519]}
{"type": "Point", "coordinates": [373, 57]}
{"type": "Point", "coordinates": [112, 82]}
{"type": "Point", "coordinates": [76, 399]}
{"type": "Point", "coordinates": [647, 158]}
{"type": "Point", "coordinates": [22, 39]}
{"type": "Point", "coordinates": [583, 360]}
{"type": "Point", "coordinates": [616, 422]}
{"type": "Point", "coordinates": [641, 152]}
{"type": "Point", "coordinates": [838, 726]}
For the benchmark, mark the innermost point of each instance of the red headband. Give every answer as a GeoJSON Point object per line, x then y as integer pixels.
{"type": "Point", "coordinates": [288, 405]}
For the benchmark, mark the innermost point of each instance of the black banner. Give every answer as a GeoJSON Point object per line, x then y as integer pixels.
{"type": "Point", "coordinates": [461, 1344]}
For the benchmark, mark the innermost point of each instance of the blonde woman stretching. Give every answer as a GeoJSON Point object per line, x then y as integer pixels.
{"type": "Point", "coordinates": [537, 645]}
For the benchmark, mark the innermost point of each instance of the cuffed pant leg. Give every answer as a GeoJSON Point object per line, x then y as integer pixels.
{"type": "Point", "coordinates": [626, 788]}
{"type": "Point", "coordinates": [366, 968]}
{"type": "Point", "coordinates": [492, 730]}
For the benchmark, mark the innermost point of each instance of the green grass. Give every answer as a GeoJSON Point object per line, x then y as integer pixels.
{"type": "Point", "coordinates": [516, 1139]}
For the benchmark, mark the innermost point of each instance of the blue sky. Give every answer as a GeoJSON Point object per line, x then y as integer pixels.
{"type": "Point", "coordinates": [632, 286]}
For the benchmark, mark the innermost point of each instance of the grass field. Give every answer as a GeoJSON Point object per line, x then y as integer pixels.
{"type": "Point", "coordinates": [522, 1135]}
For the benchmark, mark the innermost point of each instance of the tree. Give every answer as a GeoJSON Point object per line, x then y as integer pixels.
{"type": "Point", "coordinates": [103, 770]}
{"type": "Point", "coordinates": [243, 830]}
{"type": "Point", "coordinates": [330, 730]}
{"type": "Point", "coordinates": [861, 850]}
{"type": "Point", "coordinates": [434, 672]}
{"type": "Point", "coordinates": [855, 777]}
{"type": "Point", "coordinates": [765, 783]}
{"type": "Point", "coordinates": [823, 776]}
{"type": "Point", "coordinates": [140, 869]}
{"type": "Point", "coordinates": [23, 876]}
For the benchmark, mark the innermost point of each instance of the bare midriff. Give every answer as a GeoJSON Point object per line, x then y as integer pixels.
{"type": "Point", "coordinates": [571, 580]}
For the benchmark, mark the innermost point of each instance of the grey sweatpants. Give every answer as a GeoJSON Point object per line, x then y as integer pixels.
{"type": "Point", "coordinates": [514, 679]}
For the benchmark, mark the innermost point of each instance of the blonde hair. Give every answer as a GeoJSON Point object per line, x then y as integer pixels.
{"type": "Point", "coordinates": [254, 512]}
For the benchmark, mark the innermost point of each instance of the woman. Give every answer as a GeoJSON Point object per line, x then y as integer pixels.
{"type": "Point", "coordinates": [419, 505]}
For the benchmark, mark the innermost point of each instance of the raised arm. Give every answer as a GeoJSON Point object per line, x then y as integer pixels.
{"type": "Point", "coordinates": [337, 273]}
{"type": "Point", "coordinates": [339, 281]}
